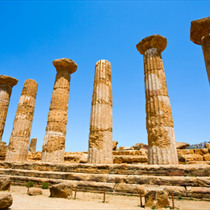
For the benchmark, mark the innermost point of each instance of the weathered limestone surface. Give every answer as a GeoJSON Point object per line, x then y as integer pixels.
{"type": "Point", "coordinates": [126, 169]}
{"type": "Point", "coordinates": [5, 200]}
{"type": "Point", "coordinates": [6, 84]}
{"type": "Point", "coordinates": [34, 191]}
{"type": "Point", "coordinates": [115, 143]}
{"type": "Point", "coordinates": [55, 135]}
{"type": "Point", "coordinates": [100, 137]}
{"type": "Point", "coordinates": [120, 179]}
{"type": "Point", "coordinates": [200, 34]}
{"type": "Point", "coordinates": [182, 145]}
{"type": "Point", "coordinates": [20, 136]}
{"type": "Point", "coordinates": [160, 126]}
{"type": "Point", "coordinates": [62, 190]}
{"type": "Point", "coordinates": [3, 150]}
{"type": "Point", "coordinates": [4, 183]}
{"type": "Point", "coordinates": [32, 147]}
{"type": "Point", "coordinates": [156, 197]}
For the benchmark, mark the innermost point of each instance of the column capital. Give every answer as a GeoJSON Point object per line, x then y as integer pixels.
{"type": "Point", "coordinates": [65, 64]}
{"type": "Point", "coordinates": [154, 41]}
{"type": "Point", "coordinates": [7, 80]}
{"type": "Point", "coordinates": [199, 28]}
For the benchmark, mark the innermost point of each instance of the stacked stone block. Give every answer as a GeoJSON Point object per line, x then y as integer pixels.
{"type": "Point", "coordinates": [200, 34]}
{"type": "Point", "coordinates": [159, 121]}
{"type": "Point", "coordinates": [100, 137]}
{"type": "Point", "coordinates": [54, 141]}
{"type": "Point", "coordinates": [32, 147]}
{"type": "Point", "coordinates": [20, 137]}
{"type": "Point", "coordinates": [6, 85]}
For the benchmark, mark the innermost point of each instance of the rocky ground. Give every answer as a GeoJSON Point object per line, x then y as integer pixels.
{"type": "Point", "coordinates": [87, 200]}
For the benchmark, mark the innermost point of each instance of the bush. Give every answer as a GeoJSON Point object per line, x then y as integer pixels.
{"type": "Point", "coordinates": [31, 184]}
{"type": "Point", "coordinates": [191, 198]}
{"type": "Point", "coordinates": [45, 185]}
{"type": "Point", "coordinates": [180, 197]}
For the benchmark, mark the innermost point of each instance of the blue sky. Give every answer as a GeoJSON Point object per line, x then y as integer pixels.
{"type": "Point", "coordinates": [34, 33]}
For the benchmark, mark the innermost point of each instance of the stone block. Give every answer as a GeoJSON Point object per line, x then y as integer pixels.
{"type": "Point", "coordinates": [186, 151]}
{"type": "Point", "coordinates": [182, 145]}
{"type": "Point", "coordinates": [139, 146]}
{"type": "Point", "coordinates": [156, 197]}
{"type": "Point", "coordinates": [34, 191]}
{"type": "Point", "coordinates": [5, 200]}
{"type": "Point", "coordinates": [62, 190]}
{"type": "Point", "coordinates": [84, 158]}
{"type": "Point", "coordinates": [198, 192]}
{"type": "Point", "coordinates": [4, 183]}
{"type": "Point", "coordinates": [201, 151]}
{"type": "Point", "coordinates": [177, 190]}
{"type": "Point", "coordinates": [115, 143]}
{"type": "Point", "coordinates": [206, 157]}
{"type": "Point", "coordinates": [208, 145]}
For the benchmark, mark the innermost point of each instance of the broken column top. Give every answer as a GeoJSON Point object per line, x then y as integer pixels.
{"type": "Point", "coordinates": [65, 64]}
{"type": "Point", "coordinates": [154, 41]}
{"type": "Point", "coordinates": [7, 80]}
{"type": "Point", "coordinates": [103, 60]}
{"type": "Point", "coordinates": [199, 28]}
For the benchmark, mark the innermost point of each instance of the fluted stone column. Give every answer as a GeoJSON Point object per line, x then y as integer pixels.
{"type": "Point", "coordinates": [20, 136]}
{"type": "Point", "coordinates": [6, 85]}
{"type": "Point", "coordinates": [54, 141]}
{"type": "Point", "coordinates": [100, 137]}
{"type": "Point", "coordinates": [32, 147]}
{"type": "Point", "coordinates": [200, 34]}
{"type": "Point", "coordinates": [160, 127]}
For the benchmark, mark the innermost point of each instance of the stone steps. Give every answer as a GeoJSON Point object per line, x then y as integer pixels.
{"type": "Point", "coordinates": [112, 178]}
{"type": "Point", "coordinates": [121, 169]}
{"type": "Point", "coordinates": [184, 180]}
{"type": "Point", "coordinates": [113, 188]}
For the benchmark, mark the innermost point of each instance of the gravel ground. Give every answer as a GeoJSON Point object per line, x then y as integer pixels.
{"type": "Point", "coordinates": [86, 200]}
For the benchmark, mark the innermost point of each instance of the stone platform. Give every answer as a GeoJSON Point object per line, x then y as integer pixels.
{"type": "Point", "coordinates": [184, 180]}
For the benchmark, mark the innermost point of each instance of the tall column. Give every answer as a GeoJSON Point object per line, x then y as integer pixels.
{"type": "Point", "coordinates": [54, 141]}
{"type": "Point", "coordinates": [6, 85]}
{"type": "Point", "coordinates": [200, 34]}
{"type": "Point", "coordinates": [100, 137]}
{"type": "Point", "coordinates": [160, 127]}
{"type": "Point", "coordinates": [20, 136]}
{"type": "Point", "coordinates": [32, 147]}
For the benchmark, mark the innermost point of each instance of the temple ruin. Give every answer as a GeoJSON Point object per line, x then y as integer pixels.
{"type": "Point", "coordinates": [32, 147]}
{"type": "Point", "coordinates": [200, 34]}
{"type": "Point", "coordinates": [160, 127]}
{"type": "Point", "coordinates": [6, 85]}
{"type": "Point", "coordinates": [163, 163]}
{"type": "Point", "coordinates": [20, 137]}
{"type": "Point", "coordinates": [54, 141]}
{"type": "Point", "coordinates": [100, 137]}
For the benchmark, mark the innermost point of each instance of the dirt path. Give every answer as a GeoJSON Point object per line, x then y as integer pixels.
{"type": "Point", "coordinates": [88, 201]}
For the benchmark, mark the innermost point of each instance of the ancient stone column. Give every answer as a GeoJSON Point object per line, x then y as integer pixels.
{"type": "Point", "coordinates": [100, 137]}
{"type": "Point", "coordinates": [6, 84]}
{"type": "Point", "coordinates": [54, 141]}
{"type": "Point", "coordinates": [200, 34]}
{"type": "Point", "coordinates": [32, 147]}
{"type": "Point", "coordinates": [20, 136]}
{"type": "Point", "coordinates": [160, 127]}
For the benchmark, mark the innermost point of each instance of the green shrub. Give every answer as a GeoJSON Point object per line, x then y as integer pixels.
{"type": "Point", "coordinates": [180, 197]}
{"type": "Point", "coordinates": [191, 198]}
{"type": "Point", "coordinates": [31, 184]}
{"type": "Point", "coordinates": [153, 207]}
{"type": "Point", "coordinates": [45, 185]}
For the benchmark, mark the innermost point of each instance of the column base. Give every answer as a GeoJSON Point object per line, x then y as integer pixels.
{"type": "Point", "coordinates": [53, 157]}
{"type": "Point", "coordinates": [97, 156]}
{"type": "Point", "coordinates": [162, 156]}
